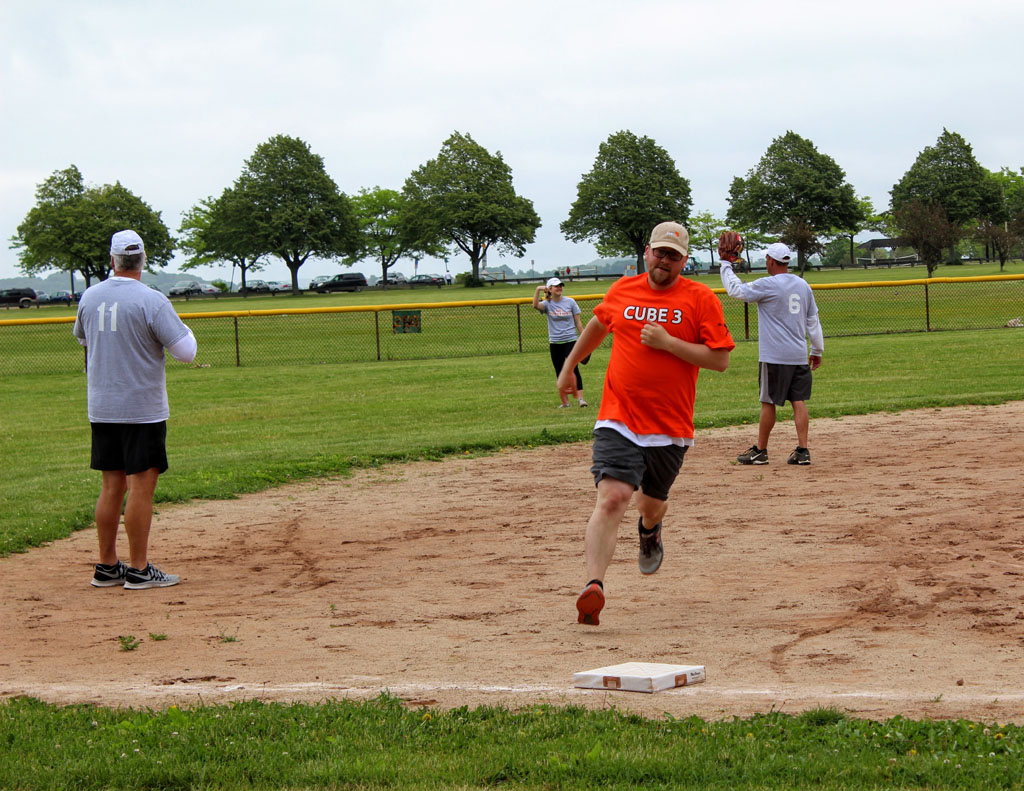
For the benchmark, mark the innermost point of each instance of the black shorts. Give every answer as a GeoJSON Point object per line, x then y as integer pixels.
{"type": "Point", "coordinates": [652, 469]}
{"type": "Point", "coordinates": [780, 383]}
{"type": "Point", "coordinates": [132, 447]}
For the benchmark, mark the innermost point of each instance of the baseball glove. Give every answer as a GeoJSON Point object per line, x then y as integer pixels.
{"type": "Point", "coordinates": [730, 245]}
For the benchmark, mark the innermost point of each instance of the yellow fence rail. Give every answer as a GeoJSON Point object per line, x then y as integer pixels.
{"type": "Point", "coordinates": [366, 333]}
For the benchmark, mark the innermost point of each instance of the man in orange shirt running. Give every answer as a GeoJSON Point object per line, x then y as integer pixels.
{"type": "Point", "coordinates": [664, 329]}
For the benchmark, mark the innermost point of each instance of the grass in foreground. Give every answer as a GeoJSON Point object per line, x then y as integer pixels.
{"type": "Point", "coordinates": [236, 430]}
{"type": "Point", "coordinates": [382, 744]}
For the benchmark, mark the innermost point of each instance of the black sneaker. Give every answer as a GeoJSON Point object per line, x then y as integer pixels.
{"type": "Point", "coordinates": [651, 550]}
{"type": "Point", "coordinates": [799, 456]}
{"type": "Point", "coordinates": [753, 456]}
{"type": "Point", "coordinates": [149, 577]}
{"type": "Point", "coordinates": [106, 576]}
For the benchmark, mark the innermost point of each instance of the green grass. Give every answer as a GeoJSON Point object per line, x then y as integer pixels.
{"type": "Point", "coordinates": [235, 430]}
{"type": "Point", "coordinates": [467, 330]}
{"type": "Point", "coordinates": [382, 744]}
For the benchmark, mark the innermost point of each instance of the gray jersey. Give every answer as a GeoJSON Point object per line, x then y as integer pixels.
{"type": "Point", "coordinates": [786, 315]}
{"type": "Point", "coordinates": [561, 321]}
{"type": "Point", "coordinates": [125, 327]}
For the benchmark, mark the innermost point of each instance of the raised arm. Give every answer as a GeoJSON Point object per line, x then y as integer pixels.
{"type": "Point", "coordinates": [536, 297]}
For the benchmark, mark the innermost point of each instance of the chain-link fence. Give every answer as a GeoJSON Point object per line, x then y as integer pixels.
{"type": "Point", "coordinates": [314, 336]}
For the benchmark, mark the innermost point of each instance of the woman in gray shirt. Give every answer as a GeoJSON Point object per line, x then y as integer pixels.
{"type": "Point", "coordinates": [564, 327]}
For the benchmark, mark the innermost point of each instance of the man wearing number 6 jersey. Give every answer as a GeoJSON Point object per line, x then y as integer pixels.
{"type": "Point", "coordinates": [125, 328]}
{"type": "Point", "coordinates": [786, 317]}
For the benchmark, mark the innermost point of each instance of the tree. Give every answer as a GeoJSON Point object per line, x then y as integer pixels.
{"type": "Point", "coordinates": [633, 186]}
{"type": "Point", "coordinates": [704, 230]}
{"type": "Point", "coordinates": [297, 209]}
{"type": "Point", "coordinates": [383, 232]}
{"type": "Point", "coordinates": [870, 221]}
{"type": "Point", "coordinates": [999, 237]}
{"type": "Point", "coordinates": [1002, 230]}
{"type": "Point", "coordinates": [1013, 189]}
{"type": "Point", "coordinates": [948, 176]}
{"type": "Point", "coordinates": [464, 199]}
{"type": "Point", "coordinates": [928, 229]}
{"type": "Point", "coordinates": [219, 230]}
{"type": "Point", "coordinates": [795, 192]}
{"type": "Point", "coordinates": [70, 227]}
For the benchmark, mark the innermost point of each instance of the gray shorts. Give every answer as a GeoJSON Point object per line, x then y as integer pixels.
{"type": "Point", "coordinates": [652, 469]}
{"type": "Point", "coordinates": [779, 383]}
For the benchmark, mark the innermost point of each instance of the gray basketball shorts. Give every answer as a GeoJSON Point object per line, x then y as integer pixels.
{"type": "Point", "coordinates": [653, 470]}
{"type": "Point", "coordinates": [779, 383]}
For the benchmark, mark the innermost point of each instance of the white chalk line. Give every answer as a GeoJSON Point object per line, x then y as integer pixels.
{"type": "Point", "coordinates": [374, 687]}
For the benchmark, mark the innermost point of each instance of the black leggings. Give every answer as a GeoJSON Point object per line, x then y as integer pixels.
{"type": "Point", "coordinates": [559, 353]}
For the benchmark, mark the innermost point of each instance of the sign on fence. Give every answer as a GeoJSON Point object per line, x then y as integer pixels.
{"type": "Point", "coordinates": [405, 321]}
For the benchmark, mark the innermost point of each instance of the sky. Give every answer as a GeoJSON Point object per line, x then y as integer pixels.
{"type": "Point", "coordinates": [171, 98]}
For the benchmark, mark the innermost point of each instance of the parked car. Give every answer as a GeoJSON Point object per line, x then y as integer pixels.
{"type": "Point", "coordinates": [184, 288]}
{"type": "Point", "coordinates": [65, 297]}
{"type": "Point", "coordinates": [279, 285]}
{"type": "Point", "coordinates": [394, 279]}
{"type": "Point", "coordinates": [42, 298]}
{"type": "Point", "coordinates": [316, 281]}
{"type": "Point", "coordinates": [346, 281]}
{"type": "Point", "coordinates": [426, 280]}
{"type": "Point", "coordinates": [22, 297]}
{"type": "Point", "coordinates": [255, 287]}
{"type": "Point", "coordinates": [208, 289]}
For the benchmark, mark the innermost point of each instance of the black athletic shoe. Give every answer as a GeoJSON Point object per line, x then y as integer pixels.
{"type": "Point", "coordinates": [651, 550]}
{"type": "Point", "coordinates": [149, 577]}
{"type": "Point", "coordinates": [753, 456]}
{"type": "Point", "coordinates": [799, 456]}
{"type": "Point", "coordinates": [108, 576]}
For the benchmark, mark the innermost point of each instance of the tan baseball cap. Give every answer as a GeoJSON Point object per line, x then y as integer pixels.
{"type": "Point", "coordinates": [670, 234]}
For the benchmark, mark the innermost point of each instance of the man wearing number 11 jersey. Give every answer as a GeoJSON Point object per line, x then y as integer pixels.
{"type": "Point", "coordinates": [125, 327]}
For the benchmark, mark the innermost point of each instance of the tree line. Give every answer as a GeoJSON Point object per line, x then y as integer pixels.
{"type": "Point", "coordinates": [285, 205]}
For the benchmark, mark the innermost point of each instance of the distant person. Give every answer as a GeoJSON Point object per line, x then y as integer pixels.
{"type": "Point", "coordinates": [564, 327]}
{"type": "Point", "coordinates": [125, 328]}
{"type": "Point", "coordinates": [786, 315]}
{"type": "Point", "coordinates": [448, 277]}
{"type": "Point", "coordinates": [665, 328]}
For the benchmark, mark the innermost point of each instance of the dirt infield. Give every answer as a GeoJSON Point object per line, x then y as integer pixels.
{"type": "Point", "coordinates": [887, 578]}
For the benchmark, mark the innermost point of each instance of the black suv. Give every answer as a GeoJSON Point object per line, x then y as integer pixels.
{"type": "Point", "coordinates": [22, 297]}
{"type": "Point", "coordinates": [346, 281]}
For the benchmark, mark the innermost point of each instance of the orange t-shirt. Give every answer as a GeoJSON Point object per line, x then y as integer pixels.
{"type": "Point", "coordinates": [650, 390]}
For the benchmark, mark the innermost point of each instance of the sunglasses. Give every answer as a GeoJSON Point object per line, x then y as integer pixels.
{"type": "Point", "coordinates": [664, 252]}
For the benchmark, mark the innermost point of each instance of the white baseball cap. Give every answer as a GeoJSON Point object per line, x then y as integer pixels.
{"type": "Point", "coordinates": [779, 252]}
{"type": "Point", "coordinates": [553, 281]}
{"type": "Point", "coordinates": [126, 243]}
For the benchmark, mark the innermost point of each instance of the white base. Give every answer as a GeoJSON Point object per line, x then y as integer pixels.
{"type": "Point", "coordinates": [640, 677]}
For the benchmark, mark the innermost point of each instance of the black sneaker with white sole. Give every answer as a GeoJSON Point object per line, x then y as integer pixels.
{"type": "Point", "coordinates": [799, 456]}
{"type": "Point", "coordinates": [755, 455]}
{"type": "Point", "coordinates": [105, 576]}
{"type": "Point", "coordinates": [651, 550]}
{"type": "Point", "coordinates": [149, 577]}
